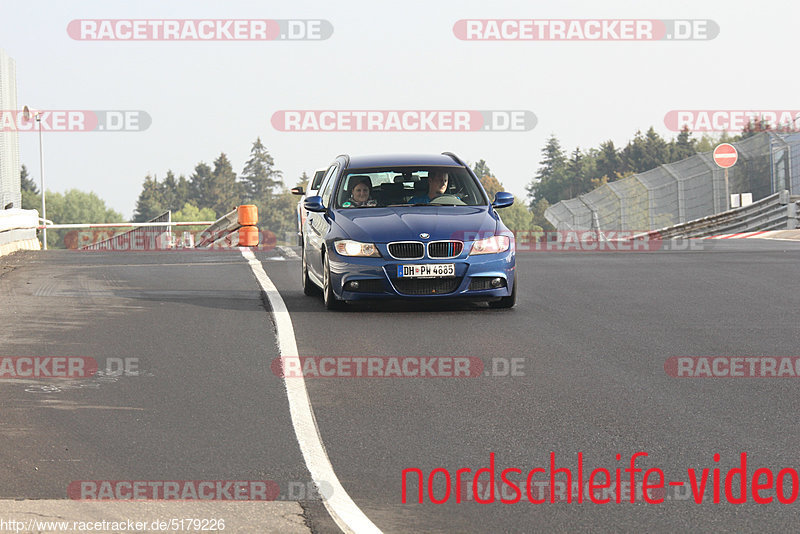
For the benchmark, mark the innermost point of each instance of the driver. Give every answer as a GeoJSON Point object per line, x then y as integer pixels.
{"type": "Point", "coordinates": [437, 185]}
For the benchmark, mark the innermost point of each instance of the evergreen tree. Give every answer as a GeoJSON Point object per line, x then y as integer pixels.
{"type": "Point", "coordinates": [684, 146]}
{"type": "Point", "coordinates": [657, 150]}
{"type": "Point", "coordinates": [31, 199]}
{"type": "Point", "coordinates": [608, 162]}
{"type": "Point", "coordinates": [226, 191]}
{"type": "Point", "coordinates": [259, 177]}
{"type": "Point", "coordinates": [549, 180]}
{"type": "Point", "coordinates": [27, 183]}
{"type": "Point", "coordinates": [169, 193]}
{"type": "Point", "coordinates": [303, 181]}
{"type": "Point", "coordinates": [200, 186]}
{"type": "Point", "coordinates": [150, 203]}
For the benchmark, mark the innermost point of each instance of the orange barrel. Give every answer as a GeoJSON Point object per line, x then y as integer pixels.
{"type": "Point", "coordinates": [248, 236]}
{"type": "Point", "coordinates": [248, 215]}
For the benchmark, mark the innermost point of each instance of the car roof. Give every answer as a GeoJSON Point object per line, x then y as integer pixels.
{"type": "Point", "coordinates": [388, 160]}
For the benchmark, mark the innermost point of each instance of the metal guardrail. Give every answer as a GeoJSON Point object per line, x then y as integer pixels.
{"type": "Point", "coordinates": [775, 212]}
{"type": "Point", "coordinates": [223, 226]}
{"type": "Point", "coordinates": [228, 229]}
{"type": "Point", "coordinates": [151, 237]}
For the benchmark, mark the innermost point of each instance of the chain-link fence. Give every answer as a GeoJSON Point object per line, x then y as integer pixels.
{"type": "Point", "coordinates": [10, 193]}
{"type": "Point", "coordinates": [685, 190]}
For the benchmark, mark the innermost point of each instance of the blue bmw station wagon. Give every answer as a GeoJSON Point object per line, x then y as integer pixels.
{"type": "Point", "coordinates": [409, 227]}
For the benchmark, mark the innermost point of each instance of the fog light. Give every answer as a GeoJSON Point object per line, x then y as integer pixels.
{"type": "Point", "coordinates": [351, 286]}
{"type": "Point", "coordinates": [497, 282]}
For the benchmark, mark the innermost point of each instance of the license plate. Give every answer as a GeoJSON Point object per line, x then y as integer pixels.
{"type": "Point", "coordinates": [430, 270]}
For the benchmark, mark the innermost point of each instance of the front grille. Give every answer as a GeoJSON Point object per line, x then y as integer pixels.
{"type": "Point", "coordinates": [426, 286]}
{"type": "Point", "coordinates": [445, 249]}
{"type": "Point", "coordinates": [406, 250]}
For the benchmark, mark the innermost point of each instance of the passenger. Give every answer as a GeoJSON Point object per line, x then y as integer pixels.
{"type": "Point", "coordinates": [361, 194]}
{"type": "Point", "coordinates": [437, 185]}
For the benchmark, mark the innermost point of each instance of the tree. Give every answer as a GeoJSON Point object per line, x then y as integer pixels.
{"type": "Point", "coordinates": [200, 186]}
{"type": "Point", "coordinates": [76, 206]}
{"type": "Point", "coordinates": [488, 180]}
{"type": "Point", "coordinates": [31, 199]}
{"type": "Point", "coordinates": [549, 180]}
{"type": "Point", "coordinates": [608, 161]}
{"type": "Point", "coordinates": [657, 149]}
{"type": "Point", "coordinates": [278, 215]}
{"type": "Point", "coordinates": [538, 209]}
{"type": "Point", "coordinates": [171, 198]}
{"type": "Point", "coordinates": [27, 183]}
{"type": "Point", "coordinates": [706, 143]}
{"type": "Point", "coordinates": [150, 203]}
{"type": "Point", "coordinates": [303, 181]}
{"type": "Point", "coordinates": [578, 174]}
{"type": "Point", "coordinates": [259, 176]}
{"type": "Point", "coordinates": [517, 217]}
{"type": "Point", "coordinates": [752, 128]}
{"type": "Point", "coordinates": [226, 191]}
{"type": "Point", "coordinates": [189, 212]}
{"type": "Point", "coordinates": [645, 152]}
{"type": "Point", "coordinates": [684, 146]}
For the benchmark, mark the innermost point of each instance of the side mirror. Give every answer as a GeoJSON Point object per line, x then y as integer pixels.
{"type": "Point", "coordinates": [314, 204]}
{"type": "Point", "coordinates": [503, 199]}
{"type": "Point", "coordinates": [298, 190]}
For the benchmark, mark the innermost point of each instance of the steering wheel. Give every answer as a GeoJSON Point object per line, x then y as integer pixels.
{"type": "Point", "coordinates": [448, 199]}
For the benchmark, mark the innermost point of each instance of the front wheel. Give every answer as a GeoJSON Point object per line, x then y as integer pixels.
{"type": "Point", "coordinates": [308, 286]}
{"type": "Point", "coordinates": [509, 301]}
{"type": "Point", "coordinates": [331, 302]}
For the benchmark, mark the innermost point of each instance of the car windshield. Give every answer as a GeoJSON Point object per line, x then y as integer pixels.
{"type": "Point", "coordinates": [405, 186]}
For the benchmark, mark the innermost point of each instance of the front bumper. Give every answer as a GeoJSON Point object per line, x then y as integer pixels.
{"type": "Point", "coordinates": [377, 278]}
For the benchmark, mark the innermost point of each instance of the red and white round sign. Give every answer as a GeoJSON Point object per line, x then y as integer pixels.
{"type": "Point", "coordinates": [725, 155]}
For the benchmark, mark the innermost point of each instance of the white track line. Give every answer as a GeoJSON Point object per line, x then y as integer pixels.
{"type": "Point", "coordinates": [343, 510]}
{"type": "Point", "coordinates": [290, 254]}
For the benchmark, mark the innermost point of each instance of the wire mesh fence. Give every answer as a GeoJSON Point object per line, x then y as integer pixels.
{"type": "Point", "coordinates": [685, 190]}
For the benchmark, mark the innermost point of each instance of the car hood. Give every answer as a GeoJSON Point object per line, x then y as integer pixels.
{"type": "Point", "coordinates": [406, 223]}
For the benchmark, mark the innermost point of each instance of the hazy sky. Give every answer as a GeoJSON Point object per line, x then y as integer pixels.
{"type": "Point", "coordinates": [210, 97]}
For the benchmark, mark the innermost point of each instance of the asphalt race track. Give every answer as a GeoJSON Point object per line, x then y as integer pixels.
{"type": "Point", "coordinates": [591, 332]}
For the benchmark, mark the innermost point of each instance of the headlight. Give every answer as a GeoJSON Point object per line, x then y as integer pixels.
{"type": "Point", "coordinates": [491, 245]}
{"type": "Point", "coordinates": [346, 247]}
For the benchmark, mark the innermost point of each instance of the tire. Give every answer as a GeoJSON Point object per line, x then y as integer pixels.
{"type": "Point", "coordinates": [309, 288]}
{"type": "Point", "coordinates": [509, 301]}
{"type": "Point", "coordinates": [331, 302]}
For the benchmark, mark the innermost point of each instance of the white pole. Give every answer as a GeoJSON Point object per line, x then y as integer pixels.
{"type": "Point", "coordinates": [727, 192]}
{"type": "Point", "coordinates": [41, 174]}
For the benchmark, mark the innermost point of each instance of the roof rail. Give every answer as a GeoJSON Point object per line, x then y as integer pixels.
{"type": "Point", "coordinates": [346, 159]}
{"type": "Point", "coordinates": [455, 158]}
